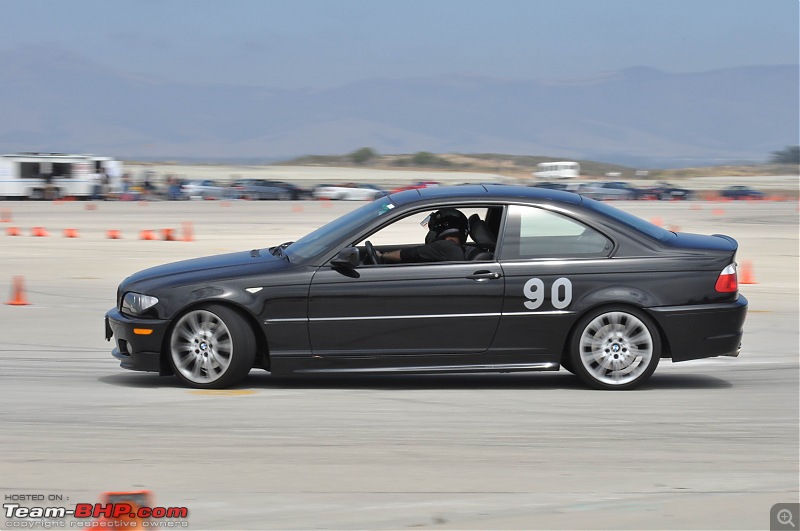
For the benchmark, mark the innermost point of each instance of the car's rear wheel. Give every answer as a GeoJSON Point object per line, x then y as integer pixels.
{"type": "Point", "coordinates": [211, 347]}
{"type": "Point", "coordinates": [615, 348]}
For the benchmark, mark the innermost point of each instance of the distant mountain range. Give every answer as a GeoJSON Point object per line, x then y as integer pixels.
{"type": "Point", "coordinates": [54, 100]}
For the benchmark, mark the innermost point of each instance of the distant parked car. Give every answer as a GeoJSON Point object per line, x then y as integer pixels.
{"type": "Point", "coordinates": [349, 192]}
{"type": "Point", "coordinates": [265, 189]}
{"type": "Point", "coordinates": [204, 189]}
{"type": "Point", "coordinates": [667, 192]}
{"type": "Point", "coordinates": [605, 191]}
{"type": "Point", "coordinates": [741, 192]}
{"type": "Point", "coordinates": [631, 191]}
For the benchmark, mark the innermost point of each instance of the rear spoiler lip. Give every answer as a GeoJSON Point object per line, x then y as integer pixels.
{"type": "Point", "coordinates": [728, 238]}
{"type": "Point", "coordinates": [703, 242]}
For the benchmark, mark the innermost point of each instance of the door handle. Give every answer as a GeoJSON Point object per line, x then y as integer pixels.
{"type": "Point", "coordinates": [482, 276]}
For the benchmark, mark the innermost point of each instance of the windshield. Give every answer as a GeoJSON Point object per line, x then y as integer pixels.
{"type": "Point", "coordinates": [334, 232]}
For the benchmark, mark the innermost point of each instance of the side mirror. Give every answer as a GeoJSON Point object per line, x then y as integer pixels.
{"type": "Point", "coordinates": [348, 257]}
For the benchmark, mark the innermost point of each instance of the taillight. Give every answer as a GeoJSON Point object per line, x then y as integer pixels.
{"type": "Point", "coordinates": [727, 281]}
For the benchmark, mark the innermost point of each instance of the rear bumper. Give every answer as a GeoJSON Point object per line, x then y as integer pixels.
{"type": "Point", "coordinates": [704, 330]}
{"type": "Point", "coordinates": [134, 349]}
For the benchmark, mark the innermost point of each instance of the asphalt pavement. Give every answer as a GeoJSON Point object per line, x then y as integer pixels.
{"type": "Point", "coordinates": [707, 444]}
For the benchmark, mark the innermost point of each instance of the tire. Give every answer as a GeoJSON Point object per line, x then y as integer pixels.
{"type": "Point", "coordinates": [211, 347]}
{"type": "Point", "coordinates": [615, 348]}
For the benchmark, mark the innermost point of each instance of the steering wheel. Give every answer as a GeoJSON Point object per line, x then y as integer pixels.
{"type": "Point", "coordinates": [371, 253]}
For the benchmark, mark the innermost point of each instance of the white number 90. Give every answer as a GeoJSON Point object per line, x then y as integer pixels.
{"type": "Point", "coordinates": [534, 292]}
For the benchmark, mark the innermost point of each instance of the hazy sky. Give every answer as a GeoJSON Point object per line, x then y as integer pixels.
{"type": "Point", "coordinates": [319, 43]}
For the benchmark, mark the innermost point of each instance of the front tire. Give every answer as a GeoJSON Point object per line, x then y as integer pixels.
{"type": "Point", "coordinates": [615, 348]}
{"type": "Point", "coordinates": [211, 347]}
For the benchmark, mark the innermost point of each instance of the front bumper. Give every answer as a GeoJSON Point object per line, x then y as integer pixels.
{"type": "Point", "coordinates": [702, 330]}
{"type": "Point", "coordinates": [136, 349]}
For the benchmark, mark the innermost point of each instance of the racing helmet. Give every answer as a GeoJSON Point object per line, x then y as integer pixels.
{"type": "Point", "coordinates": [448, 221]}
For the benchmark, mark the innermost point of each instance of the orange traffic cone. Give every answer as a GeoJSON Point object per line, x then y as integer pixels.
{"type": "Point", "coordinates": [147, 235]}
{"type": "Point", "coordinates": [748, 277]}
{"type": "Point", "coordinates": [70, 233]}
{"type": "Point", "coordinates": [18, 293]}
{"type": "Point", "coordinates": [113, 234]}
{"type": "Point", "coordinates": [39, 232]}
{"type": "Point", "coordinates": [5, 216]}
{"type": "Point", "coordinates": [13, 231]}
{"type": "Point", "coordinates": [167, 235]}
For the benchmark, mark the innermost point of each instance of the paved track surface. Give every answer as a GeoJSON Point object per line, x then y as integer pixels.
{"type": "Point", "coordinates": [710, 444]}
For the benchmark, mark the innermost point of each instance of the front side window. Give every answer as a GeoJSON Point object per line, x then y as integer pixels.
{"type": "Point", "coordinates": [416, 239]}
{"type": "Point", "coordinates": [413, 229]}
{"type": "Point", "coordinates": [533, 233]}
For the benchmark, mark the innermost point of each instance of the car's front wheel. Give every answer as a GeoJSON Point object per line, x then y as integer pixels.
{"type": "Point", "coordinates": [615, 348]}
{"type": "Point", "coordinates": [211, 347]}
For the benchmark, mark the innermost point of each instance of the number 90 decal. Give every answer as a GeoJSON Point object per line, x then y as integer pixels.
{"type": "Point", "coordinates": [560, 293]}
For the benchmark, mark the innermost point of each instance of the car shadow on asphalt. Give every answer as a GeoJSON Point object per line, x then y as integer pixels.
{"type": "Point", "coordinates": [522, 381]}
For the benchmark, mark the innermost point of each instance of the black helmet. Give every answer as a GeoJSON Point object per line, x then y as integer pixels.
{"type": "Point", "coordinates": [449, 221]}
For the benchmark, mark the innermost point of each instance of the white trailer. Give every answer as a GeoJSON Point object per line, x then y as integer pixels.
{"type": "Point", "coordinates": [557, 170]}
{"type": "Point", "coordinates": [28, 175]}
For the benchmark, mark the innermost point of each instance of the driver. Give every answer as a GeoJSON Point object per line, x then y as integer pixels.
{"type": "Point", "coordinates": [448, 229]}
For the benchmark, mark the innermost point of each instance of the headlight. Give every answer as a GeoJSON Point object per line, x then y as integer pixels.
{"type": "Point", "coordinates": [136, 303]}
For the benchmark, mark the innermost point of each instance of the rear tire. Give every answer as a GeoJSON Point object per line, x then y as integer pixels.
{"type": "Point", "coordinates": [615, 348]}
{"type": "Point", "coordinates": [211, 347]}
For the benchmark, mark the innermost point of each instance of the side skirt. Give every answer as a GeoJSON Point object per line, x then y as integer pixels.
{"type": "Point", "coordinates": [307, 368]}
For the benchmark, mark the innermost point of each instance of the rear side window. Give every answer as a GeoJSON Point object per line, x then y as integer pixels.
{"type": "Point", "coordinates": [538, 233]}
{"type": "Point", "coordinates": [654, 231]}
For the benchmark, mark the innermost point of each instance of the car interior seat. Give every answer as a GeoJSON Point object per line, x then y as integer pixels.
{"type": "Point", "coordinates": [483, 237]}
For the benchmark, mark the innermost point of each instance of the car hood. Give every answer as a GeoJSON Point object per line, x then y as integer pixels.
{"type": "Point", "coordinates": [199, 269]}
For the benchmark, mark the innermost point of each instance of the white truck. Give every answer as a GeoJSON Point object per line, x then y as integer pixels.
{"type": "Point", "coordinates": [43, 175]}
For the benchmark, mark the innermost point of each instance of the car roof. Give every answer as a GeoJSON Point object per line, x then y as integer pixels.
{"type": "Point", "coordinates": [495, 192]}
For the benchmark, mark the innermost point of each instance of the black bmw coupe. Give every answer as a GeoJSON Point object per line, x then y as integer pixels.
{"type": "Point", "coordinates": [549, 279]}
